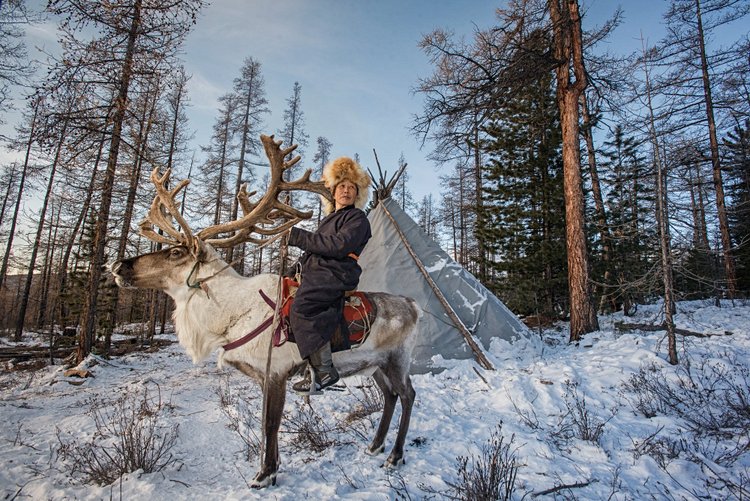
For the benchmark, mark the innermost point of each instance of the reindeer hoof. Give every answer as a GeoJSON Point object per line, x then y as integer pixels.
{"type": "Point", "coordinates": [263, 480]}
{"type": "Point", "coordinates": [374, 451]}
{"type": "Point", "coordinates": [392, 463]}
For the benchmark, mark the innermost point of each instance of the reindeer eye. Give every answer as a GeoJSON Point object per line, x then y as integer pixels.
{"type": "Point", "coordinates": [176, 252]}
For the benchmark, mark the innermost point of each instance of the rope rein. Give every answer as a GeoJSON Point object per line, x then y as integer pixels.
{"type": "Point", "coordinates": [201, 283]}
{"type": "Point", "coordinates": [283, 248]}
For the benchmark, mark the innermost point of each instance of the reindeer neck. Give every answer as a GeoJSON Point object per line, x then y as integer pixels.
{"type": "Point", "coordinates": [226, 308]}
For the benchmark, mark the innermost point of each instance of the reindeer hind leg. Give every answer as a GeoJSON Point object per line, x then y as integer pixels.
{"type": "Point", "coordinates": [389, 397]}
{"type": "Point", "coordinates": [405, 391]}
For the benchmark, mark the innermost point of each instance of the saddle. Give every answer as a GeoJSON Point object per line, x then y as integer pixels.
{"type": "Point", "coordinates": [359, 314]}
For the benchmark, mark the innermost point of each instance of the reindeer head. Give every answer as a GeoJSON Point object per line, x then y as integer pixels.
{"type": "Point", "coordinates": [261, 222]}
{"type": "Point", "coordinates": [157, 270]}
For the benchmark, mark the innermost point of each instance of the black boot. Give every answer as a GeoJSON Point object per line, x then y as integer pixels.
{"type": "Point", "coordinates": [321, 373]}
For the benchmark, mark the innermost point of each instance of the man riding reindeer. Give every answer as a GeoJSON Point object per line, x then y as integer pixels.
{"type": "Point", "coordinates": [328, 270]}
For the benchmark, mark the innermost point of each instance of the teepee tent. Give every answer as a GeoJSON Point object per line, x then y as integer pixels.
{"type": "Point", "coordinates": [461, 318]}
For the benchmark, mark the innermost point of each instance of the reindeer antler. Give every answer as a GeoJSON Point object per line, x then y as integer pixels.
{"type": "Point", "coordinates": [266, 217]}
{"type": "Point", "coordinates": [163, 209]}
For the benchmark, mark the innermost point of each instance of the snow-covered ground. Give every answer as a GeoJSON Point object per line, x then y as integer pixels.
{"type": "Point", "coordinates": [539, 404]}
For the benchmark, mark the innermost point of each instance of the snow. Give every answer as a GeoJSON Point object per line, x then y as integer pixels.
{"type": "Point", "coordinates": [440, 265]}
{"type": "Point", "coordinates": [456, 412]}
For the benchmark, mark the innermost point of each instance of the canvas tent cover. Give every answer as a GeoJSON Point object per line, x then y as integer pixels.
{"type": "Point", "coordinates": [388, 266]}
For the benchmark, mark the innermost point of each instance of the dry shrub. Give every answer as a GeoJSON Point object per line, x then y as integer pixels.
{"type": "Point", "coordinates": [369, 401]}
{"type": "Point", "coordinates": [490, 475]}
{"type": "Point", "coordinates": [309, 430]}
{"type": "Point", "coordinates": [577, 421]}
{"type": "Point", "coordinates": [240, 411]}
{"type": "Point", "coordinates": [711, 398]}
{"type": "Point", "coordinates": [661, 449]}
{"type": "Point", "coordinates": [129, 436]}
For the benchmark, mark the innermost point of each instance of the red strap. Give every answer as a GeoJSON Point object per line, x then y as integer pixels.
{"type": "Point", "coordinates": [249, 336]}
{"type": "Point", "coordinates": [267, 299]}
{"type": "Point", "coordinates": [256, 332]}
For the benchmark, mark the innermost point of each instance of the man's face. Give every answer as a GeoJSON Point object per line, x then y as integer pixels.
{"type": "Point", "coordinates": [345, 193]}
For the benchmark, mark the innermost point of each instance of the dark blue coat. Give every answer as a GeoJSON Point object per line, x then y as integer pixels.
{"type": "Point", "coordinates": [327, 273]}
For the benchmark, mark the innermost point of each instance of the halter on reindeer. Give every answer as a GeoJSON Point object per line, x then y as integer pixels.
{"type": "Point", "coordinates": [215, 306]}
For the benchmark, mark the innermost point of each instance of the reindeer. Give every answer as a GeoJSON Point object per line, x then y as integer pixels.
{"type": "Point", "coordinates": [215, 306]}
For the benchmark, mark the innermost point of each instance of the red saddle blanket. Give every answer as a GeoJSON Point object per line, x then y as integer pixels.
{"type": "Point", "coordinates": [359, 313]}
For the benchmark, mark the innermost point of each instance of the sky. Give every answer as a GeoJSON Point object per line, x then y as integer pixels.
{"type": "Point", "coordinates": [455, 414]}
{"type": "Point", "coordinates": [357, 63]}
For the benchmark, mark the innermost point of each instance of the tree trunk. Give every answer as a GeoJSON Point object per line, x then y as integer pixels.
{"type": "Point", "coordinates": [165, 301]}
{"type": "Point", "coordinates": [21, 186]}
{"type": "Point", "coordinates": [153, 302]}
{"type": "Point", "coordinates": [175, 121]}
{"type": "Point", "coordinates": [88, 315]}
{"type": "Point", "coordinates": [454, 236]}
{"type": "Point", "coordinates": [596, 192]}
{"type": "Point", "coordinates": [241, 167]}
{"type": "Point", "coordinates": [49, 258]}
{"type": "Point", "coordinates": [63, 278]}
{"type": "Point", "coordinates": [222, 167]}
{"type": "Point", "coordinates": [700, 232]}
{"type": "Point", "coordinates": [464, 231]}
{"type": "Point", "coordinates": [569, 51]}
{"type": "Point", "coordinates": [146, 122]}
{"type": "Point", "coordinates": [479, 208]}
{"type": "Point", "coordinates": [662, 221]}
{"type": "Point", "coordinates": [184, 191]}
{"type": "Point", "coordinates": [9, 190]}
{"type": "Point", "coordinates": [38, 240]}
{"type": "Point", "coordinates": [582, 314]}
{"type": "Point", "coordinates": [726, 240]}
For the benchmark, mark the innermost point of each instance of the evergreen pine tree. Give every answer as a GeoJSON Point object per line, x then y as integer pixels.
{"type": "Point", "coordinates": [737, 144]}
{"type": "Point", "coordinates": [523, 217]}
{"type": "Point", "coordinates": [629, 198]}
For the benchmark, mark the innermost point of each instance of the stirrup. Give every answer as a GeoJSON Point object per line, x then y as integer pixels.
{"type": "Point", "coordinates": [311, 385]}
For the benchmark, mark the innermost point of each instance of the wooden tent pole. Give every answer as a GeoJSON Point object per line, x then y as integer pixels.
{"type": "Point", "coordinates": [438, 293]}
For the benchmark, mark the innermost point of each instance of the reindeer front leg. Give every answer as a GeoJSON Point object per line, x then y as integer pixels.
{"type": "Point", "coordinates": [273, 410]}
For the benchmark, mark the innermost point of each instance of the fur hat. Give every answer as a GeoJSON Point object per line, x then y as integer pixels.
{"type": "Point", "coordinates": [346, 169]}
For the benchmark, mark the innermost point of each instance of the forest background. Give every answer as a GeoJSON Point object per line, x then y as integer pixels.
{"type": "Point", "coordinates": [573, 178]}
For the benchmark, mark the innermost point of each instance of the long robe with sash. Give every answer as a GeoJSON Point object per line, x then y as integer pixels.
{"type": "Point", "coordinates": [328, 269]}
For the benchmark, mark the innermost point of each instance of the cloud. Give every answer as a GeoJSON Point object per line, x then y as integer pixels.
{"type": "Point", "coordinates": [42, 33]}
{"type": "Point", "coordinates": [203, 91]}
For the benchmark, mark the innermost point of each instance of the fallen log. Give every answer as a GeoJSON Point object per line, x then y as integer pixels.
{"type": "Point", "coordinates": [118, 347]}
{"type": "Point", "coordinates": [622, 326]}
{"type": "Point", "coordinates": [23, 353]}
